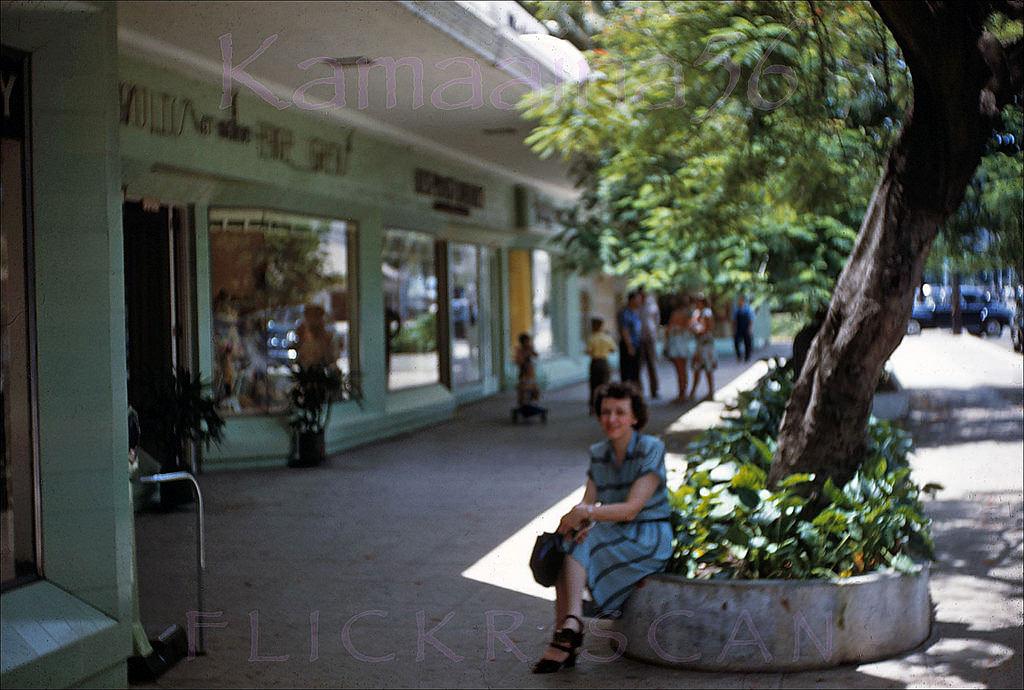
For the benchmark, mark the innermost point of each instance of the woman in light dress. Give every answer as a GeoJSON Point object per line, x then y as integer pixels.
{"type": "Point", "coordinates": [679, 345]}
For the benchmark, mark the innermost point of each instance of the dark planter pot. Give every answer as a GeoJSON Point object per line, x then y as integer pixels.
{"type": "Point", "coordinates": [311, 450]}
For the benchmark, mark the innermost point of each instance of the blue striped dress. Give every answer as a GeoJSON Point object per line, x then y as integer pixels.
{"type": "Point", "coordinates": [617, 555]}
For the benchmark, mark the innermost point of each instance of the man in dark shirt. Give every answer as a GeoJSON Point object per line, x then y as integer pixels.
{"type": "Point", "coordinates": [742, 321]}
{"type": "Point", "coordinates": [629, 339]}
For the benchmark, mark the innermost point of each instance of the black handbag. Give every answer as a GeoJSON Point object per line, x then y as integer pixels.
{"type": "Point", "coordinates": [546, 559]}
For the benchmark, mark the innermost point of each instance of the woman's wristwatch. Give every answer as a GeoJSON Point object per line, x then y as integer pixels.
{"type": "Point", "coordinates": [590, 510]}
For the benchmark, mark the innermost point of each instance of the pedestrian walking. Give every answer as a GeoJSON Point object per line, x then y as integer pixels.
{"type": "Point", "coordinates": [742, 324]}
{"type": "Point", "coordinates": [629, 335]}
{"type": "Point", "coordinates": [599, 346]}
{"type": "Point", "coordinates": [704, 357]}
{"type": "Point", "coordinates": [650, 321]}
{"type": "Point", "coordinates": [679, 346]}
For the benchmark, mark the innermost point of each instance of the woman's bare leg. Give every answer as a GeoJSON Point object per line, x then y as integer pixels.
{"type": "Point", "coordinates": [568, 601]}
{"type": "Point", "coordinates": [681, 378]}
{"type": "Point", "coordinates": [696, 380]}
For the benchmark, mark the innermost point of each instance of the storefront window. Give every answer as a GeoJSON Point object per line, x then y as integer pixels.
{"type": "Point", "coordinates": [464, 270]}
{"type": "Point", "coordinates": [269, 272]}
{"type": "Point", "coordinates": [543, 335]}
{"type": "Point", "coordinates": [408, 264]}
{"type": "Point", "coordinates": [18, 481]}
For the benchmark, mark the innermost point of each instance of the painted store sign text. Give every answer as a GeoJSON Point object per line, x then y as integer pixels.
{"type": "Point", "coordinates": [168, 115]}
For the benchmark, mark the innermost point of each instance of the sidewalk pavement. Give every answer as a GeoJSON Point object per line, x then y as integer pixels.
{"type": "Point", "coordinates": [400, 563]}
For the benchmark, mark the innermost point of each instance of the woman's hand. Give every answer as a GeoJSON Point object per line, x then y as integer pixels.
{"type": "Point", "coordinates": [576, 522]}
{"type": "Point", "coordinates": [581, 533]}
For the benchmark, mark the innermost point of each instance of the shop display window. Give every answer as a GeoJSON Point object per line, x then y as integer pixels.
{"type": "Point", "coordinates": [270, 273]}
{"type": "Point", "coordinates": [464, 271]}
{"type": "Point", "coordinates": [409, 274]}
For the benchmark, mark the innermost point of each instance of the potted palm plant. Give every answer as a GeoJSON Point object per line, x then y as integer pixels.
{"type": "Point", "coordinates": [315, 388]}
{"type": "Point", "coordinates": [176, 414]}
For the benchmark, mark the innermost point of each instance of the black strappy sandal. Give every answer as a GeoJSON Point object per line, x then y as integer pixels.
{"type": "Point", "coordinates": [567, 640]}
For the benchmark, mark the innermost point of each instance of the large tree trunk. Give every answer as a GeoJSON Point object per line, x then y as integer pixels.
{"type": "Point", "coordinates": [962, 78]}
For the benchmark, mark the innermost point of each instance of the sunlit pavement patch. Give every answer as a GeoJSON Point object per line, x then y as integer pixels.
{"type": "Point", "coordinates": [507, 565]}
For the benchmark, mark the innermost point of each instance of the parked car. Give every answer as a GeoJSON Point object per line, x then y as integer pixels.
{"type": "Point", "coordinates": [981, 313]}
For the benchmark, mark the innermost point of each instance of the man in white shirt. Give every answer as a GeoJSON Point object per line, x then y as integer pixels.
{"type": "Point", "coordinates": [650, 320]}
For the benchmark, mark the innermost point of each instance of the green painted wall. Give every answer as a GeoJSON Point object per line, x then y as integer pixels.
{"type": "Point", "coordinates": [174, 162]}
{"type": "Point", "coordinates": [82, 158]}
{"type": "Point", "coordinates": [380, 174]}
{"type": "Point", "coordinates": [85, 504]}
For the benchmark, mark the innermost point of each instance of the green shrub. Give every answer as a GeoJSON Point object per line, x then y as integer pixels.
{"type": "Point", "coordinates": [727, 524]}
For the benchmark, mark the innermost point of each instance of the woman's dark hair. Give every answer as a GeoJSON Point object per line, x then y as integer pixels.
{"type": "Point", "coordinates": [621, 390]}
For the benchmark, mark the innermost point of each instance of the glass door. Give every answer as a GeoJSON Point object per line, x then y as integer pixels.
{"type": "Point", "coordinates": [467, 321]}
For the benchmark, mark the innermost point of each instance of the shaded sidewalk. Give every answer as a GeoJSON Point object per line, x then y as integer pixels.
{"type": "Point", "coordinates": [401, 563]}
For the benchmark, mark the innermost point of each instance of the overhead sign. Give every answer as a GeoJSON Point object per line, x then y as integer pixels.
{"type": "Point", "coordinates": [450, 195]}
{"type": "Point", "coordinates": [169, 115]}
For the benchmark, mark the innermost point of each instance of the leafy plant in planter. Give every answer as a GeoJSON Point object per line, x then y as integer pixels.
{"type": "Point", "coordinates": [176, 413]}
{"type": "Point", "coordinates": [727, 524]}
{"type": "Point", "coordinates": [314, 389]}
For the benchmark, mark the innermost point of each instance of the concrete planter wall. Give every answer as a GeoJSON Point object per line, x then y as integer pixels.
{"type": "Point", "coordinates": [775, 625]}
{"type": "Point", "coordinates": [892, 404]}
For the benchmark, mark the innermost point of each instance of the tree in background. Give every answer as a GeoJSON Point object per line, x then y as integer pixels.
{"type": "Point", "coordinates": [987, 230]}
{"type": "Point", "coordinates": [730, 145]}
{"type": "Point", "coordinates": [684, 177]}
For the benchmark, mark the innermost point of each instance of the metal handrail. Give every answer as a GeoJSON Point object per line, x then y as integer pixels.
{"type": "Point", "coordinates": [200, 538]}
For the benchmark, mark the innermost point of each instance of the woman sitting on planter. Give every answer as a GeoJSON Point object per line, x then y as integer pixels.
{"type": "Point", "coordinates": [620, 532]}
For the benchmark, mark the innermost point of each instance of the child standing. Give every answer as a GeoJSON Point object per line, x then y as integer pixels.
{"type": "Point", "coordinates": [527, 388]}
{"type": "Point", "coordinates": [599, 346]}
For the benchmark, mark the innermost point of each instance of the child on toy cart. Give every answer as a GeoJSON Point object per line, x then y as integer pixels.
{"type": "Point", "coordinates": [527, 389]}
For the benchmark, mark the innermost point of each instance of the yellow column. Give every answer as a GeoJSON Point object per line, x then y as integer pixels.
{"type": "Point", "coordinates": [520, 291]}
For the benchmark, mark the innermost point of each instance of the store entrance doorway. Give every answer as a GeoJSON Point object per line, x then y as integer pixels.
{"type": "Point", "coordinates": [157, 300]}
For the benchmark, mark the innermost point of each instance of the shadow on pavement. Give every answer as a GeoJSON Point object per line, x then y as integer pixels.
{"type": "Point", "coordinates": [980, 538]}
{"type": "Point", "coordinates": [950, 416]}
{"type": "Point", "coordinates": [981, 658]}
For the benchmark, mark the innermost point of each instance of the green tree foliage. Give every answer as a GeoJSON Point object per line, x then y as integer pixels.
{"type": "Point", "coordinates": [987, 230]}
{"type": "Point", "coordinates": [732, 145]}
